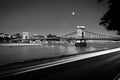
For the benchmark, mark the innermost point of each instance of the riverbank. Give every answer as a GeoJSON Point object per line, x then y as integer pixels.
{"type": "Point", "coordinates": [28, 44]}
{"type": "Point", "coordinates": [18, 44]}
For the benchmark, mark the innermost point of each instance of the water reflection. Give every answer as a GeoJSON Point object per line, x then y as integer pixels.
{"type": "Point", "coordinates": [62, 49]}
{"type": "Point", "coordinates": [72, 50]}
{"type": "Point", "coordinates": [16, 54]}
{"type": "Point", "coordinates": [25, 50]}
{"type": "Point", "coordinates": [21, 53]}
{"type": "Point", "coordinates": [90, 49]}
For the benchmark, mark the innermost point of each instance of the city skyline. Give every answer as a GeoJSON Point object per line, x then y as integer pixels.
{"type": "Point", "coordinates": [51, 16]}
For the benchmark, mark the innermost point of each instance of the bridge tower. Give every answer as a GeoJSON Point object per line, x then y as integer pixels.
{"type": "Point", "coordinates": [25, 37]}
{"type": "Point", "coordinates": [80, 34]}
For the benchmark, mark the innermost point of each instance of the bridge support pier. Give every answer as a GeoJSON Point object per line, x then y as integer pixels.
{"type": "Point", "coordinates": [81, 43]}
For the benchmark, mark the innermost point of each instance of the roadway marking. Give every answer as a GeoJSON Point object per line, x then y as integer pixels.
{"type": "Point", "coordinates": [63, 61]}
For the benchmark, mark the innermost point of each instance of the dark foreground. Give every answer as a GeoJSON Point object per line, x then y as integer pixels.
{"type": "Point", "coordinates": [105, 67]}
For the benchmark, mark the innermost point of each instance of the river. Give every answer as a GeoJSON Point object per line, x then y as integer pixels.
{"type": "Point", "coordinates": [12, 54]}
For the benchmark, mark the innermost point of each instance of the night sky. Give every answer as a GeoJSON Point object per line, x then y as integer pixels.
{"type": "Point", "coordinates": [51, 16]}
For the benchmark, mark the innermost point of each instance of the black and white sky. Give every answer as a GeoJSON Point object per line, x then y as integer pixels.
{"type": "Point", "coordinates": [51, 16]}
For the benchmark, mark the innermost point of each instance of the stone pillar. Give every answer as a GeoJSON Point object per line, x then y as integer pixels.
{"type": "Point", "coordinates": [25, 35]}
{"type": "Point", "coordinates": [80, 34]}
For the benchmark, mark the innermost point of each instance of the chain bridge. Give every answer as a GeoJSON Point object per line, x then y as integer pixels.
{"type": "Point", "coordinates": [81, 33]}
{"type": "Point", "coordinates": [80, 36]}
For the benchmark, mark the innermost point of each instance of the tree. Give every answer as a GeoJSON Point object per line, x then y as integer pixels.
{"type": "Point", "coordinates": [110, 20]}
{"type": "Point", "coordinates": [1, 37]}
{"type": "Point", "coordinates": [4, 37]}
{"type": "Point", "coordinates": [16, 36]}
{"type": "Point", "coordinates": [51, 36]}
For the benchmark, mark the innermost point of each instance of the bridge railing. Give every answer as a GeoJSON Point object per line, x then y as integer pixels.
{"type": "Point", "coordinates": [89, 34]}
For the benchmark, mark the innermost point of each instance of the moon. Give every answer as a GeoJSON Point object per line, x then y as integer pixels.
{"type": "Point", "coordinates": [73, 13]}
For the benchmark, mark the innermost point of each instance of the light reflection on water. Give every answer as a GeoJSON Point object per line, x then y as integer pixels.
{"type": "Point", "coordinates": [90, 49]}
{"type": "Point", "coordinates": [15, 54]}
{"type": "Point", "coordinates": [72, 50]}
